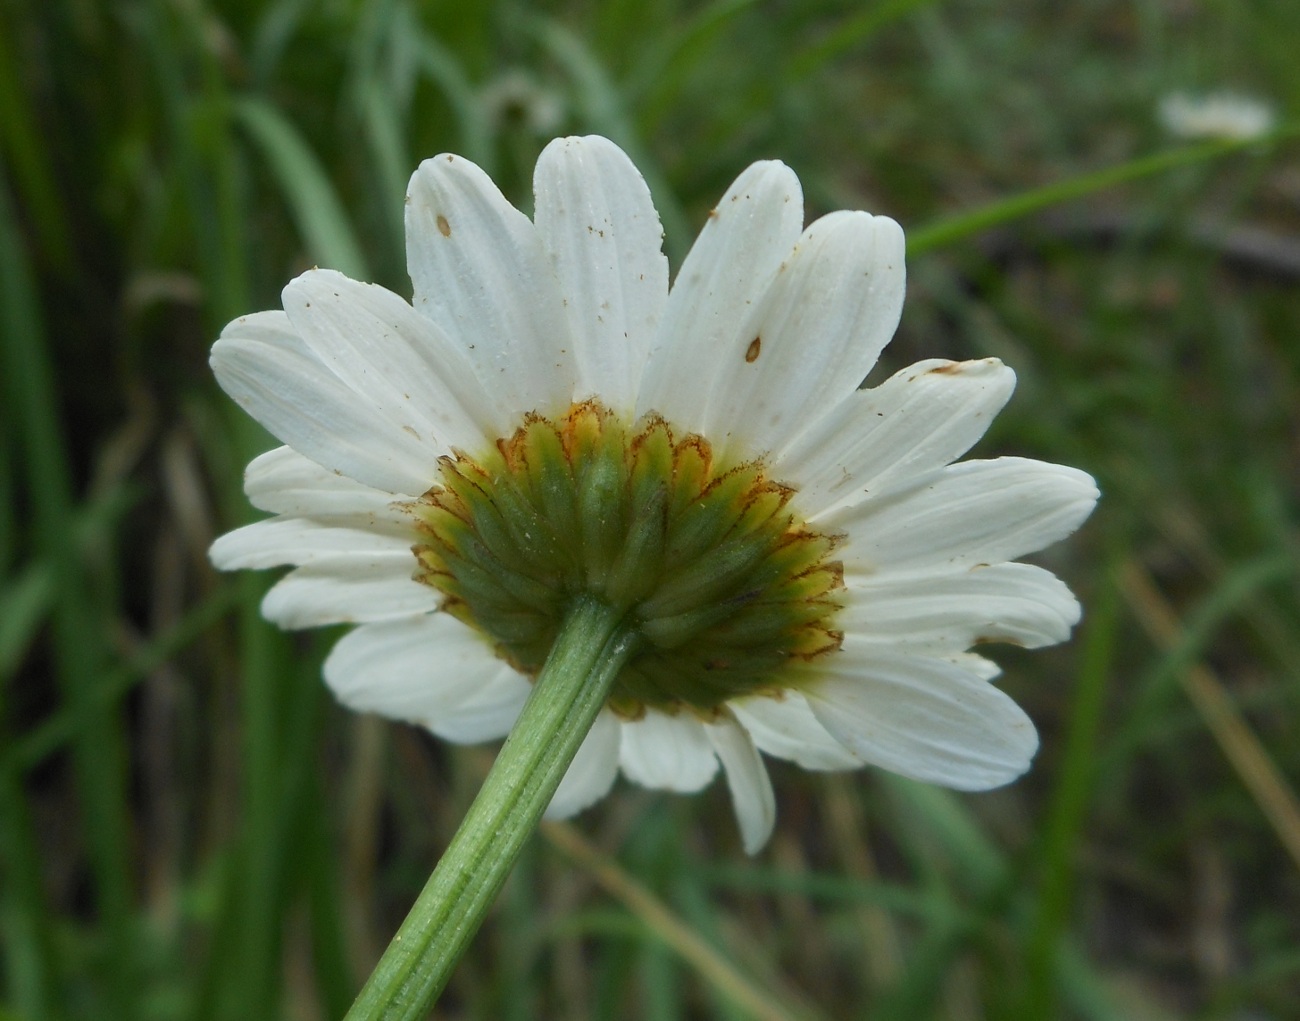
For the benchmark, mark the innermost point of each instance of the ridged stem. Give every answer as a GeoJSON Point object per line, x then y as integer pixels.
{"type": "Point", "coordinates": [570, 690]}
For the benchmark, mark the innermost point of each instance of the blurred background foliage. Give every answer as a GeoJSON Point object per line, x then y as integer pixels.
{"type": "Point", "coordinates": [191, 829]}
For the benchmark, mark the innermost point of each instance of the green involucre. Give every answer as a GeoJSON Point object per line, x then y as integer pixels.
{"type": "Point", "coordinates": [721, 583]}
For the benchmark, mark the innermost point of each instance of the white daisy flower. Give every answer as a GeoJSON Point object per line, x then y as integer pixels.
{"type": "Point", "coordinates": [1233, 116]}
{"type": "Point", "coordinates": [802, 564]}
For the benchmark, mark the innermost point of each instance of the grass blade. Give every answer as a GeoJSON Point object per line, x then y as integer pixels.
{"type": "Point", "coordinates": [956, 228]}
{"type": "Point", "coordinates": [305, 186]}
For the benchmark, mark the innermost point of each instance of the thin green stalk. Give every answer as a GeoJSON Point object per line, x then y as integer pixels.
{"type": "Point", "coordinates": [591, 648]}
{"type": "Point", "coordinates": [99, 754]}
{"type": "Point", "coordinates": [319, 860]}
{"type": "Point", "coordinates": [306, 186]}
{"type": "Point", "coordinates": [28, 159]}
{"type": "Point", "coordinates": [40, 742]}
{"type": "Point", "coordinates": [1059, 849]}
{"type": "Point", "coordinates": [28, 957]}
{"type": "Point", "coordinates": [241, 974]}
{"type": "Point", "coordinates": [26, 597]}
{"type": "Point", "coordinates": [280, 724]}
{"type": "Point", "coordinates": [954, 228]}
{"type": "Point", "coordinates": [852, 31]}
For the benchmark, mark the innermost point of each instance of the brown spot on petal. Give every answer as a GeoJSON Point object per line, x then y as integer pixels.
{"type": "Point", "coordinates": [755, 346]}
{"type": "Point", "coordinates": [444, 228]}
{"type": "Point", "coordinates": [946, 368]}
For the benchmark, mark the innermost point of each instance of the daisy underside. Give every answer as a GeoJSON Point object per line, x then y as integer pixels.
{"type": "Point", "coordinates": [720, 586]}
{"type": "Point", "coordinates": [803, 566]}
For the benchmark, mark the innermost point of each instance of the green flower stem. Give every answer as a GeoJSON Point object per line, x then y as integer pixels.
{"type": "Point", "coordinates": [590, 649]}
{"type": "Point", "coordinates": [1025, 203]}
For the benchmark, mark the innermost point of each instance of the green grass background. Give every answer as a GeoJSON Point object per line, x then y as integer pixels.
{"type": "Point", "coordinates": [191, 829]}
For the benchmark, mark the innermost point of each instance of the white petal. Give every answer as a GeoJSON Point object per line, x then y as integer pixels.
{"type": "Point", "coordinates": [786, 727]}
{"type": "Point", "coordinates": [489, 714]}
{"type": "Point", "coordinates": [725, 274]}
{"type": "Point", "coordinates": [285, 482]}
{"type": "Point", "coordinates": [592, 772]}
{"type": "Point", "coordinates": [431, 670]}
{"type": "Point", "coordinates": [349, 589]}
{"type": "Point", "coordinates": [403, 365]}
{"type": "Point", "coordinates": [921, 418]}
{"type": "Point", "coordinates": [289, 540]}
{"type": "Point", "coordinates": [982, 667]}
{"type": "Point", "coordinates": [814, 336]}
{"type": "Point", "coordinates": [265, 366]}
{"type": "Point", "coordinates": [751, 788]}
{"type": "Point", "coordinates": [972, 512]}
{"type": "Point", "coordinates": [596, 219]}
{"type": "Point", "coordinates": [667, 752]}
{"type": "Point", "coordinates": [481, 273]}
{"type": "Point", "coordinates": [949, 612]}
{"type": "Point", "coordinates": [925, 718]}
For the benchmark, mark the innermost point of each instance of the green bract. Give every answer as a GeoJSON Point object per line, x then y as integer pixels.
{"type": "Point", "coordinates": [722, 585]}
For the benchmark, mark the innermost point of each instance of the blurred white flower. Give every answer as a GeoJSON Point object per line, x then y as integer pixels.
{"type": "Point", "coordinates": [800, 561]}
{"type": "Point", "coordinates": [1226, 115]}
{"type": "Point", "coordinates": [515, 95]}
